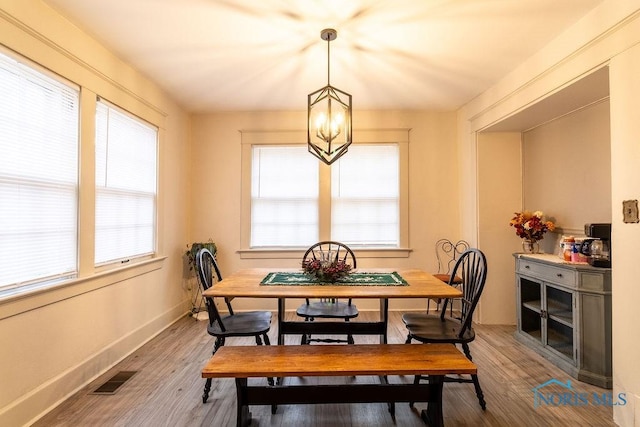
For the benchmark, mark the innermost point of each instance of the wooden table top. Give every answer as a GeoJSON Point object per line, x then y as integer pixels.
{"type": "Point", "coordinates": [313, 360]}
{"type": "Point", "coordinates": [246, 283]}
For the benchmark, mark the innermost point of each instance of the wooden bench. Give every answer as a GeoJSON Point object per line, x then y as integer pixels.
{"type": "Point", "coordinates": [243, 362]}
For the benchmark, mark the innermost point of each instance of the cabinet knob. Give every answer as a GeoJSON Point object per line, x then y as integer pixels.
{"type": "Point", "coordinates": [526, 266]}
{"type": "Point", "coordinates": [559, 274]}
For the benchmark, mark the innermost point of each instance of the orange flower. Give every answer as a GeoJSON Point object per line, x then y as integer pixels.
{"type": "Point", "coordinates": [531, 226]}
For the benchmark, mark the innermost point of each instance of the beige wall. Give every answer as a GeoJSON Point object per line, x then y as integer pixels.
{"type": "Point", "coordinates": [567, 169]}
{"type": "Point", "coordinates": [54, 342]}
{"type": "Point", "coordinates": [625, 159]}
{"type": "Point", "coordinates": [609, 35]}
{"type": "Point", "coordinates": [549, 168]}
{"type": "Point", "coordinates": [433, 202]}
{"type": "Point", "coordinates": [499, 195]}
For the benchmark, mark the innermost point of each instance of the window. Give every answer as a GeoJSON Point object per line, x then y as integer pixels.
{"type": "Point", "coordinates": [365, 196]}
{"type": "Point", "coordinates": [126, 158]}
{"type": "Point", "coordinates": [284, 197]}
{"type": "Point", "coordinates": [39, 118]}
{"type": "Point", "coordinates": [290, 200]}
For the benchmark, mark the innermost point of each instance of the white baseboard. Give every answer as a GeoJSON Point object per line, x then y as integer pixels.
{"type": "Point", "coordinates": [38, 402]}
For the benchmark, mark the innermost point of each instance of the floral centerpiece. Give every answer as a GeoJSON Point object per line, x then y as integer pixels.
{"type": "Point", "coordinates": [531, 228]}
{"type": "Point", "coordinates": [326, 271]}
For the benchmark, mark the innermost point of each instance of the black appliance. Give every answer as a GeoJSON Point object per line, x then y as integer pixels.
{"type": "Point", "coordinates": [602, 232]}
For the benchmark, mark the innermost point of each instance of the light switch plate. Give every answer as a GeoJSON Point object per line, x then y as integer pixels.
{"type": "Point", "coordinates": [630, 211]}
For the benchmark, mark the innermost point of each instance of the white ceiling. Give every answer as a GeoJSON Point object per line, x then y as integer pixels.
{"type": "Point", "coordinates": [218, 55]}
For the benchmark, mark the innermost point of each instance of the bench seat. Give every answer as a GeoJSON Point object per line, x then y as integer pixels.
{"type": "Point", "coordinates": [243, 362]}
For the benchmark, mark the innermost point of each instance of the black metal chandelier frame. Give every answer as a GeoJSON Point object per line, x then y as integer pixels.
{"type": "Point", "coordinates": [323, 144]}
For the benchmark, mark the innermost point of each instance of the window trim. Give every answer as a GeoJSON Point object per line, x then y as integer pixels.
{"type": "Point", "coordinates": [118, 262]}
{"type": "Point", "coordinates": [38, 71]}
{"type": "Point", "coordinates": [90, 86]}
{"type": "Point", "coordinates": [294, 137]}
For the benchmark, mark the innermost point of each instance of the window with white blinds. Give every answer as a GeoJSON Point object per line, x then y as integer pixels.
{"type": "Point", "coordinates": [284, 196]}
{"type": "Point", "coordinates": [38, 176]}
{"type": "Point", "coordinates": [126, 171]}
{"type": "Point", "coordinates": [365, 196]}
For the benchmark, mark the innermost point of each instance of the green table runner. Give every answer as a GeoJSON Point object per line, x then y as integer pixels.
{"type": "Point", "coordinates": [353, 279]}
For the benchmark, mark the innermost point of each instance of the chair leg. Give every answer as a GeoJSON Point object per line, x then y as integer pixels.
{"type": "Point", "coordinates": [207, 385]}
{"type": "Point", "coordinates": [207, 389]}
{"type": "Point", "coordinates": [416, 381]}
{"type": "Point", "coordinates": [306, 338]}
{"type": "Point", "coordinates": [265, 337]}
{"type": "Point", "coordinates": [349, 336]}
{"type": "Point", "coordinates": [408, 340]}
{"type": "Point", "coordinates": [479, 392]}
{"type": "Point", "coordinates": [474, 378]}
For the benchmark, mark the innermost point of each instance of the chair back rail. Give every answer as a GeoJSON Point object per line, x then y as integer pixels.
{"type": "Point", "coordinates": [471, 266]}
{"type": "Point", "coordinates": [448, 252]}
{"type": "Point", "coordinates": [208, 275]}
{"type": "Point", "coordinates": [332, 251]}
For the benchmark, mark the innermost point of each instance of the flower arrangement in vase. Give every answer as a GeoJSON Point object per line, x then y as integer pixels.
{"type": "Point", "coordinates": [328, 272]}
{"type": "Point", "coordinates": [531, 227]}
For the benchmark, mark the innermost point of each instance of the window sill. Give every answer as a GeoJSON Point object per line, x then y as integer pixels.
{"type": "Point", "coordinates": [15, 302]}
{"type": "Point", "coordinates": [282, 253]}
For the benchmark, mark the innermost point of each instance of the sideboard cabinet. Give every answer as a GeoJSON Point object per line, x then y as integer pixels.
{"type": "Point", "coordinates": [564, 313]}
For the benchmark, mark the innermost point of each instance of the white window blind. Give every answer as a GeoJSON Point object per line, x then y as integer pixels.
{"type": "Point", "coordinates": [365, 196]}
{"type": "Point", "coordinates": [38, 176]}
{"type": "Point", "coordinates": [284, 196]}
{"type": "Point", "coordinates": [126, 158]}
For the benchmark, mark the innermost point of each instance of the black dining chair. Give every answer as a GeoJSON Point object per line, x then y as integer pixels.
{"type": "Point", "coordinates": [247, 324]}
{"type": "Point", "coordinates": [328, 308]}
{"type": "Point", "coordinates": [471, 267]}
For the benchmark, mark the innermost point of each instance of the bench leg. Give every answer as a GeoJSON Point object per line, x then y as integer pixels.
{"type": "Point", "coordinates": [433, 414]}
{"type": "Point", "coordinates": [243, 416]}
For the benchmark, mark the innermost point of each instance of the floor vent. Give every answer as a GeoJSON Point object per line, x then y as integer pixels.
{"type": "Point", "coordinates": [113, 384]}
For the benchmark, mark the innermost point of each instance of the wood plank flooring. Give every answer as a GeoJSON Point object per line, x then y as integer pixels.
{"type": "Point", "coordinates": [167, 389]}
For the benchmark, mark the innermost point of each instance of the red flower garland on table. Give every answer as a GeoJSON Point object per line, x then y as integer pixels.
{"type": "Point", "coordinates": [326, 272]}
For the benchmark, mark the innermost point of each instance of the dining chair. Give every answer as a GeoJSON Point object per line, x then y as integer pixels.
{"type": "Point", "coordinates": [447, 253]}
{"type": "Point", "coordinates": [246, 324]}
{"type": "Point", "coordinates": [426, 328]}
{"type": "Point", "coordinates": [328, 308]}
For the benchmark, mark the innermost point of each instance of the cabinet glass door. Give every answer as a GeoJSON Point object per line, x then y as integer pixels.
{"type": "Point", "coordinates": [559, 314]}
{"type": "Point", "coordinates": [531, 308]}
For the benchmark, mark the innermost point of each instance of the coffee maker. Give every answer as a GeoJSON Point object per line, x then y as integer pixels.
{"type": "Point", "coordinates": [600, 244]}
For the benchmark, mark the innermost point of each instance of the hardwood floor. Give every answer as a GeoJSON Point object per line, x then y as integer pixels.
{"type": "Point", "coordinates": [167, 389]}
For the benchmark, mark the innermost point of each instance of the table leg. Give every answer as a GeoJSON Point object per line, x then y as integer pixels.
{"type": "Point", "coordinates": [281, 313]}
{"type": "Point", "coordinates": [384, 318]}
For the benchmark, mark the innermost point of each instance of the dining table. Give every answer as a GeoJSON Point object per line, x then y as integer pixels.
{"type": "Point", "coordinates": [283, 284]}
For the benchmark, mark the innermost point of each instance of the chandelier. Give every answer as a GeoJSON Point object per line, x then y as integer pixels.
{"type": "Point", "coordinates": [328, 116]}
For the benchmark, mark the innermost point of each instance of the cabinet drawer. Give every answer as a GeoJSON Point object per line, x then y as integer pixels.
{"type": "Point", "coordinates": [550, 273]}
